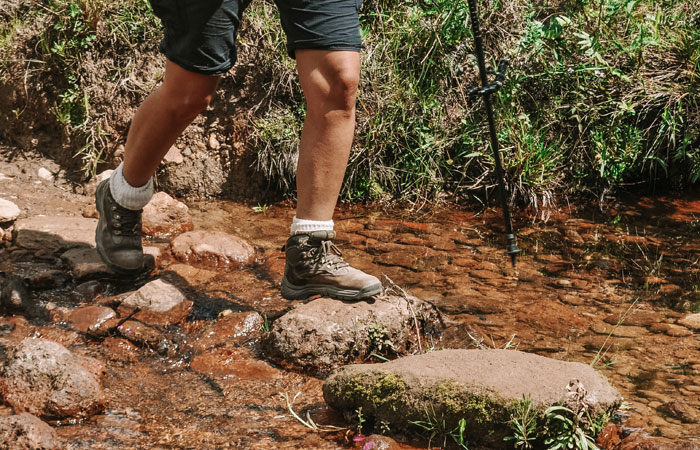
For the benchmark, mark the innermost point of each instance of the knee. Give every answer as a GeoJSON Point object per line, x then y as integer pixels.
{"type": "Point", "coordinates": [186, 105]}
{"type": "Point", "coordinates": [336, 91]}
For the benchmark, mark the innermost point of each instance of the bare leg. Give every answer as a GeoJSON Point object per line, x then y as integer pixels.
{"type": "Point", "coordinates": [162, 117]}
{"type": "Point", "coordinates": [329, 80]}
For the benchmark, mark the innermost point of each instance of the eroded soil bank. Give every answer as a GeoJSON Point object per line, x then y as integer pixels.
{"type": "Point", "coordinates": [604, 288]}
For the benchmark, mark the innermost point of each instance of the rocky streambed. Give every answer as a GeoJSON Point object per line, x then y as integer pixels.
{"type": "Point", "coordinates": [202, 352]}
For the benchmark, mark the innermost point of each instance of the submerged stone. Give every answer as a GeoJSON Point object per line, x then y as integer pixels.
{"type": "Point", "coordinates": [480, 386]}
{"type": "Point", "coordinates": [326, 333]}
{"type": "Point", "coordinates": [44, 378]}
{"type": "Point", "coordinates": [216, 248]}
{"type": "Point", "coordinates": [160, 303]}
{"type": "Point", "coordinates": [26, 432]}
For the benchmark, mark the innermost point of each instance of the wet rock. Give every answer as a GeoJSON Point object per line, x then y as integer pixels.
{"type": "Point", "coordinates": [670, 290]}
{"type": "Point", "coordinates": [232, 362]}
{"type": "Point", "coordinates": [139, 333]}
{"type": "Point", "coordinates": [90, 289]}
{"type": "Point", "coordinates": [16, 298]}
{"type": "Point", "coordinates": [86, 264]}
{"type": "Point", "coordinates": [478, 385]}
{"type": "Point", "coordinates": [55, 232]}
{"type": "Point", "coordinates": [231, 329]}
{"type": "Point", "coordinates": [8, 211]}
{"type": "Point", "coordinates": [691, 321]}
{"type": "Point", "coordinates": [90, 318]}
{"type": "Point", "coordinates": [677, 331]}
{"type": "Point", "coordinates": [470, 301]}
{"type": "Point", "coordinates": [164, 217]}
{"type": "Point", "coordinates": [623, 331]}
{"type": "Point", "coordinates": [26, 432]}
{"type": "Point", "coordinates": [48, 279]}
{"type": "Point", "coordinates": [118, 349]}
{"type": "Point", "coordinates": [379, 442]}
{"type": "Point", "coordinates": [678, 409]}
{"type": "Point", "coordinates": [46, 379]}
{"type": "Point", "coordinates": [326, 333]}
{"type": "Point", "coordinates": [642, 441]}
{"type": "Point", "coordinates": [215, 248]}
{"type": "Point", "coordinates": [160, 302]}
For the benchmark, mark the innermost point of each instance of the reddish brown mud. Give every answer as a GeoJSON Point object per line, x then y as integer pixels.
{"type": "Point", "coordinates": [604, 288]}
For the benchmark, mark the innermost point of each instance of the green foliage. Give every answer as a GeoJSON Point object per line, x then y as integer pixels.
{"type": "Point", "coordinates": [599, 94]}
{"type": "Point", "coordinates": [557, 428]}
{"type": "Point", "coordinates": [523, 425]}
{"type": "Point", "coordinates": [436, 428]}
{"type": "Point", "coordinates": [378, 339]}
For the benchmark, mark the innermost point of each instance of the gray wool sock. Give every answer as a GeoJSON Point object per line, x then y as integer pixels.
{"type": "Point", "coordinates": [300, 226]}
{"type": "Point", "coordinates": [126, 195]}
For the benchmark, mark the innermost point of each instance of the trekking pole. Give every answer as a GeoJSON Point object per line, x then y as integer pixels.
{"type": "Point", "coordinates": [485, 92]}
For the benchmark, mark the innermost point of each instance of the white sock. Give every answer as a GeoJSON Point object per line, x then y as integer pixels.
{"type": "Point", "coordinates": [306, 226]}
{"type": "Point", "coordinates": [126, 195]}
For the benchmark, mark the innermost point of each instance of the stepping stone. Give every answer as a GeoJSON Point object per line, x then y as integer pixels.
{"type": "Point", "coordinates": [55, 232]}
{"type": "Point", "coordinates": [480, 386]}
{"type": "Point", "coordinates": [86, 264]}
{"type": "Point", "coordinates": [215, 248]}
{"type": "Point", "coordinates": [326, 333]}
{"type": "Point", "coordinates": [25, 431]}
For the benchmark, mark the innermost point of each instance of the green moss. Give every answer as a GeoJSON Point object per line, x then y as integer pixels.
{"type": "Point", "coordinates": [375, 392]}
{"type": "Point", "coordinates": [458, 402]}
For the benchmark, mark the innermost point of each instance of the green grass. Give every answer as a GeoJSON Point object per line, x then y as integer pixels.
{"type": "Point", "coordinates": [600, 94]}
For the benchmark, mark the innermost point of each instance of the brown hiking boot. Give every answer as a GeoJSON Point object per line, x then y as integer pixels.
{"type": "Point", "coordinates": [316, 266]}
{"type": "Point", "coordinates": [118, 234]}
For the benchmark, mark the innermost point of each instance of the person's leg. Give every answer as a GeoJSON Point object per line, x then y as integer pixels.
{"type": "Point", "coordinates": [329, 80]}
{"type": "Point", "coordinates": [162, 117]}
{"type": "Point", "coordinates": [155, 126]}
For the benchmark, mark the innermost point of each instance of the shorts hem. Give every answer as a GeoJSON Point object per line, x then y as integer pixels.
{"type": "Point", "coordinates": [221, 69]}
{"type": "Point", "coordinates": [340, 47]}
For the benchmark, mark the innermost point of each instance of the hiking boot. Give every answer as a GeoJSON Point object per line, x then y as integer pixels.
{"type": "Point", "coordinates": [118, 234]}
{"type": "Point", "coordinates": [316, 266]}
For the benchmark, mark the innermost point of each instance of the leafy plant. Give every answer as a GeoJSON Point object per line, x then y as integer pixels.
{"type": "Point", "coordinates": [564, 430]}
{"type": "Point", "coordinates": [436, 427]}
{"type": "Point", "coordinates": [523, 425]}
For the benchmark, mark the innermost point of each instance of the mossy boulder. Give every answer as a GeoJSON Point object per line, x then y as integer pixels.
{"type": "Point", "coordinates": [480, 386]}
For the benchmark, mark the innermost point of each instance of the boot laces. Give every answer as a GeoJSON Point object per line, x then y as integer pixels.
{"type": "Point", "coordinates": [330, 255]}
{"type": "Point", "coordinates": [127, 222]}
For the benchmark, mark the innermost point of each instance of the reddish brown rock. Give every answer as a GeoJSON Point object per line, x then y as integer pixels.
{"type": "Point", "coordinates": [678, 331]}
{"type": "Point", "coordinates": [48, 279]}
{"type": "Point", "coordinates": [90, 318]}
{"type": "Point", "coordinates": [164, 217]}
{"type": "Point", "coordinates": [642, 441]}
{"type": "Point", "coordinates": [217, 249]}
{"type": "Point", "coordinates": [139, 333]}
{"type": "Point", "coordinates": [678, 409]}
{"type": "Point", "coordinates": [46, 379]}
{"type": "Point", "coordinates": [691, 321]}
{"type": "Point", "coordinates": [118, 349]}
{"type": "Point", "coordinates": [379, 442]}
{"type": "Point", "coordinates": [160, 303]}
{"type": "Point", "coordinates": [26, 432]}
{"type": "Point", "coordinates": [232, 361]}
{"type": "Point", "coordinates": [231, 329]}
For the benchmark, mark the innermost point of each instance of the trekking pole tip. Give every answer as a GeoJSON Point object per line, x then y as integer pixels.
{"type": "Point", "coordinates": [512, 248]}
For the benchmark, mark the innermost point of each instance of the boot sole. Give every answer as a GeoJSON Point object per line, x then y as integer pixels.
{"type": "Point", "coordinates": [292, 292]}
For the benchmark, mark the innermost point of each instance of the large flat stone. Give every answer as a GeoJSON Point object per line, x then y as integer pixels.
{"type": "Point", "coordinates": [85, 263]}
{"type": "Point", "coordinates": [480, 386]}
{"type": "Point", "coordinates": [55, 232]}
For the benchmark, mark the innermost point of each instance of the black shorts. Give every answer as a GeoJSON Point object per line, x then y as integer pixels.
{"type": "Point", "coordinates": [200, 35]}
